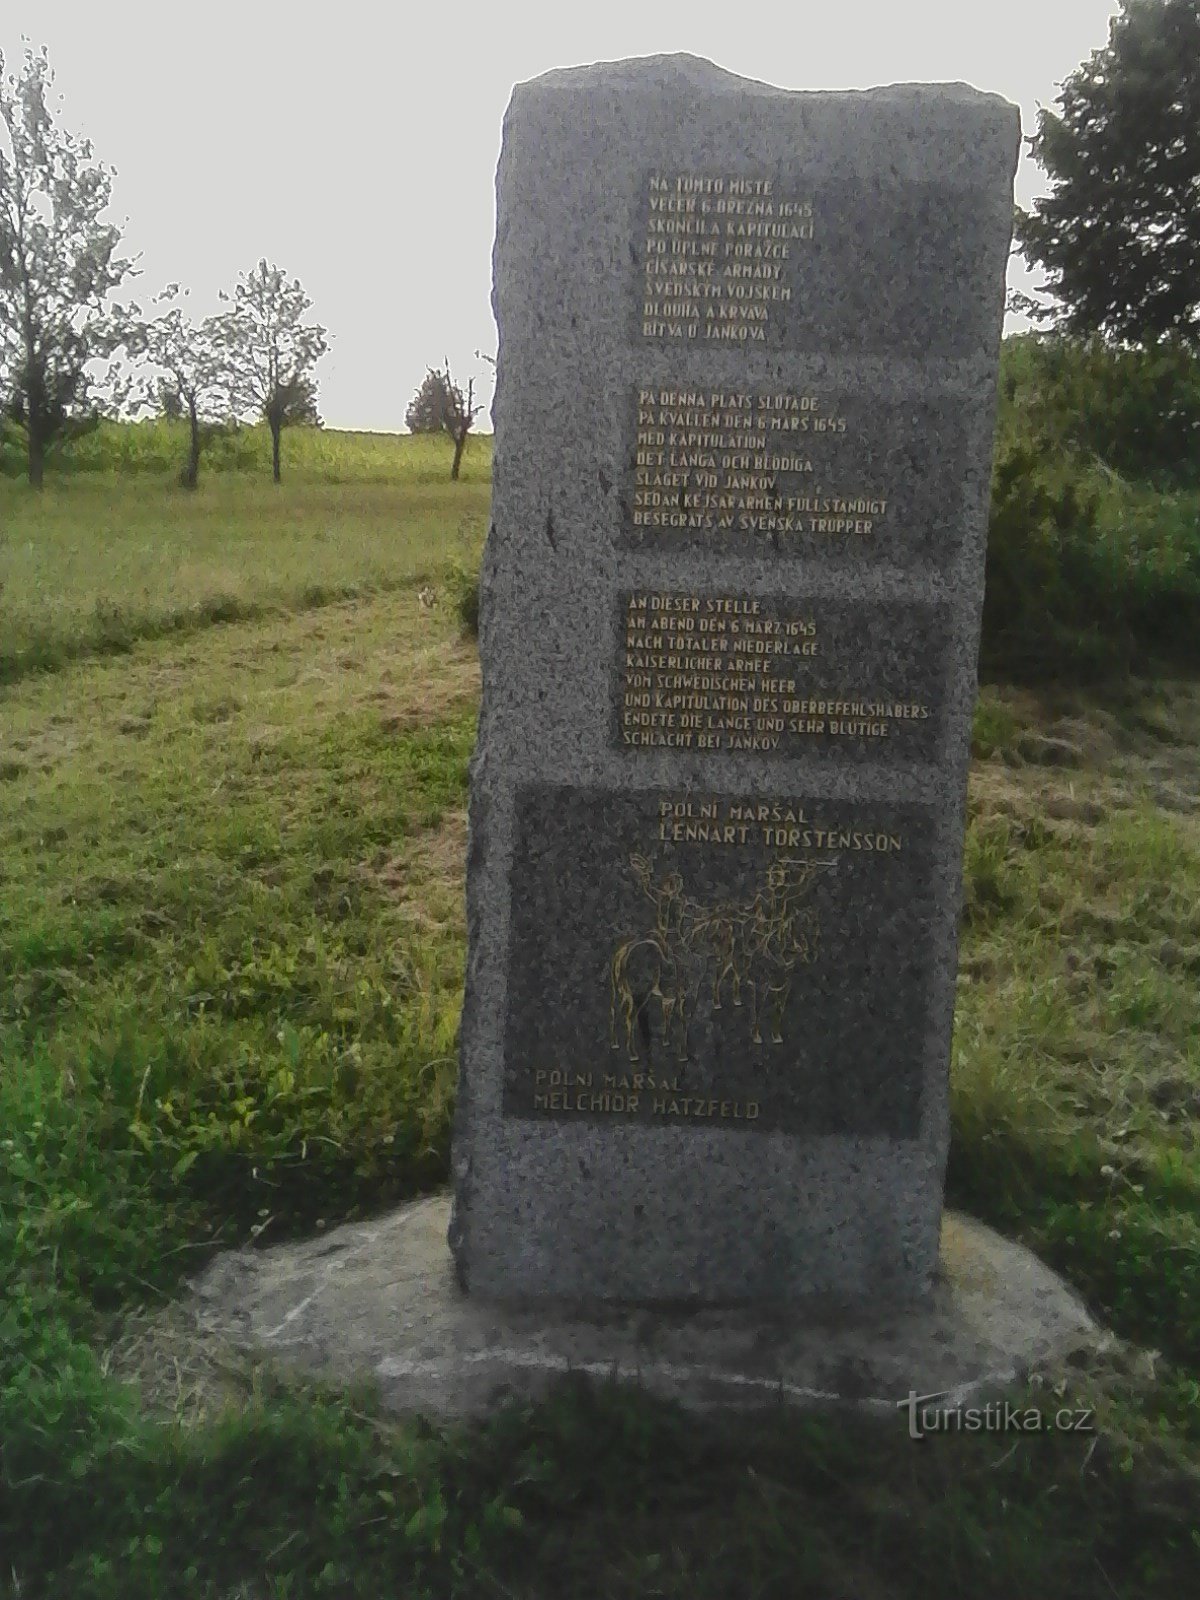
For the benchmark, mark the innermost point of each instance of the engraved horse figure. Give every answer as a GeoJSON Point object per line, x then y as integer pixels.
{"type": "Point", "coordinates": [644, 970]}
{"type": "Point", "coordinates": [755, 945]}
{"type": "Point", "coordinates": [657, 966]}
{"type": "Point", "coordinates": [721, 933]}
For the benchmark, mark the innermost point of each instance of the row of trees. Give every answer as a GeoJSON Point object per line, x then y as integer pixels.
{"type": "Point", "coordinates": [61, 268]}
{"type": "Point", "coordinates": [1118, 236]}
{"type": "Point", "coordinates": [253, 362]}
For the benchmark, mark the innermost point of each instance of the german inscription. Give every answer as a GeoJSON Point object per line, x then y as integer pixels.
{"type": "Point", "coordinates": [718, 672]}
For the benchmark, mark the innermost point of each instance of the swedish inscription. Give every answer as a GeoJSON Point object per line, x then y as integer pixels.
{"type": "Point", "coordinates": [795, 471]}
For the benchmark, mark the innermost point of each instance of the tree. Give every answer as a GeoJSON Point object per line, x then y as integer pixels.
{"type": "Point", "coordinates": [268, 352]}
{"type": "Point", "coordinates": [429, 405]}
{"type": "Point", "coordinates": [1119, 232]}
{"type": "Point", "coordinates": [188, 377]}
{"type": "Point", "coordinates": [58, 264]}
{"type": "Point", "coordinates": [439, 407]}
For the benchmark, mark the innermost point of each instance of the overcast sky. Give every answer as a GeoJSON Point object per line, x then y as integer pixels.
{"type": "Point", "coordinates": [355, 144]}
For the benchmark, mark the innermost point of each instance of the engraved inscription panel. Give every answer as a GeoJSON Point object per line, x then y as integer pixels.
{"type": "Point", "coordinates": [743, 962]}
{"type": "Point", "coordinates": [717, 253]}
{"type": "Point", "coordinates": [772, 260]}
{"type": "Point", "coordinates": [720, 672]}
{"type": "Point", "coordinates": [793, 471]}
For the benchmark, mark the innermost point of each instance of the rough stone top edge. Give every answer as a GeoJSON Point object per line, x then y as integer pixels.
{"type": "Point", "coordinates": [692, 73]}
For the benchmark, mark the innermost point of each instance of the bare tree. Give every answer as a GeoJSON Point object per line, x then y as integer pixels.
{"type": "Point", "coordinates": [58, 264]}
{"type": "Point", "coordinates": [268, 352]}
{"type": "Point", "coordinates": [460, 420]}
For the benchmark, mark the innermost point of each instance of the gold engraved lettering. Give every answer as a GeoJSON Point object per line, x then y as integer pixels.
{"type": "Point", "coordinates": [726, 462]}
{"type": "Point", "coordinates": [713, 672]}
{"type": "Point", "coordinates": [717, 252]}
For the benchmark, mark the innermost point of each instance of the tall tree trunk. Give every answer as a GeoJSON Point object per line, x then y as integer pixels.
{"type": "Point", "coordinates": [37, 452]}
{"type": "Point", "coordinates": [190, 476]}
{"type": "Point", "coordinates": [460, 441]}
{"type": "Point", "coordinates": [33, 381]}
{"type": "Point", "coordinates": [275, 431]}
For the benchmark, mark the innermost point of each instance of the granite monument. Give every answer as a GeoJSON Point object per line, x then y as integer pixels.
{"type": "Point", "coordinates": [730, 614]}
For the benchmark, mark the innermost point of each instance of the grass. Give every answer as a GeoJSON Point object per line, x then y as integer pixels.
{"type": "Point", "coordinates": [97, 562]}
{"type": "Point", "coordinates": [1077, 1057]}
{"type": "Point", "coordinates": [205, 896]}
{"type": "Point", "coordinates": [231, 957]}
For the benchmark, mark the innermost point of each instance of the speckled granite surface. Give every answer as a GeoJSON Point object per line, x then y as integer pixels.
{"type": "Point", "coordinates": [747, 362]}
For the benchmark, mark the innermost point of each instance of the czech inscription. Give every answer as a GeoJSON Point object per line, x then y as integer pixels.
{"type": "Point", "coordinates": [798, 469]}
{"type": "Point", "coordinates": [786, 261]}
{"type": "Point", "coordinates": [716, 254]}
{"type": "Point", "coordinates": [714, 672]}
{"type": "Point", "coordinates": [743, 962]}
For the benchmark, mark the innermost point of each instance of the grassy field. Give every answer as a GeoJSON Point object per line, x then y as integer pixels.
{"type": "Point", "coordinates": [231, 953]}
{"type": "Point", "coordinates": [106, 557]}
{"type": "Point", "coordinates": [156, 448]}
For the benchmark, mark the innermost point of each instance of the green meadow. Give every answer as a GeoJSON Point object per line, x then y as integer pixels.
{"type": "Point", "coordinates": [112, 552]}
{"type": "Point", "coordinates": [234, 741]}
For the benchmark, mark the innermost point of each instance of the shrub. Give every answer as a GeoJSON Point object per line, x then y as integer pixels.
{"type": "Point", "coordinates": [462, 582]}
{"type": "Point", "coordinates": [1040, 531]}
{"type": "Point", "coordinates": [1136, 412]}
{"type": "Point", "coordinates": [1092, 565]}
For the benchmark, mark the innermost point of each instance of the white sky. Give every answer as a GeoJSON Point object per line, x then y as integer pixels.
{"type": "Point", "coordinates": [355, 144]}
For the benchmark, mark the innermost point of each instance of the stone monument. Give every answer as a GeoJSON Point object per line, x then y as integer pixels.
{"type": "Point", "coordinates": [730, 620]}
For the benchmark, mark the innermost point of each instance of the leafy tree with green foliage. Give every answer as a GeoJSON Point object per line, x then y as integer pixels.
{"type": "Point", "coordinates": [439, 407]}
{"type": "Point", "coordinates": [1119, 233]}
{"type": "Point", "coordinates": [430, 404]}
{"type": "Point", "coordinates": [188, 377]}
{"type": "Point", "coordinates": [268, 352]}
{"type": "Point", "coordinates": [58, 265]}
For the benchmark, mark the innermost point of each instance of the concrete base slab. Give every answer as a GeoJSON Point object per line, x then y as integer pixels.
{"type": "Point", "coordinates": [380, 1300]}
